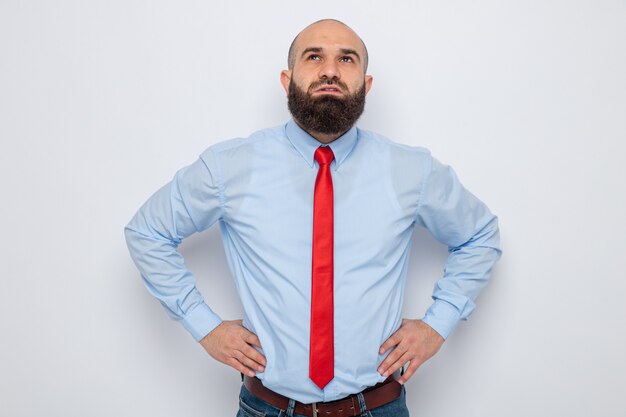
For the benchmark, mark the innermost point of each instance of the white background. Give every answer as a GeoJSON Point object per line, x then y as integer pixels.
{"type": "Point", "coordinates": [102, 101]}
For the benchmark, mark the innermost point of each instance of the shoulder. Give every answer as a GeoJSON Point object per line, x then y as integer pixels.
{"type": "Point", "coordinates": [234, 146]}
{"type": "Point", "coordinates": [373, 141]}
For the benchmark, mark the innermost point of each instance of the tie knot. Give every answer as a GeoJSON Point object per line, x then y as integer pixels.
{"type": "Point", "coordinates": [324, 155]}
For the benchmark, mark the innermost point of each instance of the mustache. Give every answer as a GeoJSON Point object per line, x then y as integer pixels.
{"type": "Point", "coordinates": [329, 81]}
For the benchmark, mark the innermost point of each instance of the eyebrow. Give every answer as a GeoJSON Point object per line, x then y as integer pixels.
{"type": "Point", "coordinates": [344, 51]}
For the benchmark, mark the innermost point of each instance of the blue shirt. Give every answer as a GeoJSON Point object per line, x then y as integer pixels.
{"type": "Point", "coordinates": [260, 191]}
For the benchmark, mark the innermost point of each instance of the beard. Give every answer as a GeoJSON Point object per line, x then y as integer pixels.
{"type": "Point", "coordinates": [325, 114]}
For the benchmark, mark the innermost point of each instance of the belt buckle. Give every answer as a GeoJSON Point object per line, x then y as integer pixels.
{"type": "Point", "coordinates": [314, 409]}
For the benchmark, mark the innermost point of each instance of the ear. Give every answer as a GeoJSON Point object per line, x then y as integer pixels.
{"type": "Point", "coordinates": [368, 83]}
{"type": "Point", "coordinates": [285, 79]}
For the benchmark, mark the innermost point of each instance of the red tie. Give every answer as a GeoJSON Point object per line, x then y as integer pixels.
{"type": "Point", "coordinates": [322, 354]}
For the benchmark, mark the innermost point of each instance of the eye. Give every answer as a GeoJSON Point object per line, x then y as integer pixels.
{"type": "Point", "coordinates": [346, 59]}
{"type": "Point", "coordinates": [314, 57]}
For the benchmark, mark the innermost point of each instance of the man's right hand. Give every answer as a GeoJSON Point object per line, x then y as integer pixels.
{"type": "Point", "coordinates": [231, 344]}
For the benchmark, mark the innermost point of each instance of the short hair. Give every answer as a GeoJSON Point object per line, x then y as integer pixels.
{"type": "Point", "coordinates": [291, 57]}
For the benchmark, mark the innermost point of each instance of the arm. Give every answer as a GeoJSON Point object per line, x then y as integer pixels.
{"type": "Point", "coordinates": [190, 203]}
{"type": "Point", "coordinates": [458, 219]}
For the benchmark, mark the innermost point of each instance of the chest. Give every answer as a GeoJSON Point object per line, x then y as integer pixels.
{"type": "Point", "coordinates": [275, 208]}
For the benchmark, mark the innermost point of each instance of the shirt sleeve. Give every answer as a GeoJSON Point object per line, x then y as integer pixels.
{"type": "Point", "coordinates": [189, 203]}
{"type": "Point", "coordinates": [456, 218]}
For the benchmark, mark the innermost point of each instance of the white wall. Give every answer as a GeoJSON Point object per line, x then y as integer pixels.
{"type": "Point", "coordinates": [102, 101]}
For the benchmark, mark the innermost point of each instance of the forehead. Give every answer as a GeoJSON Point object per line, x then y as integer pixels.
{"type": "Point", "coordinates": [328, 35]}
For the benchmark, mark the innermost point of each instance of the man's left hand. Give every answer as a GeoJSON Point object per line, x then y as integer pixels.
{"type": "Point", "coordinates": [415, 342]}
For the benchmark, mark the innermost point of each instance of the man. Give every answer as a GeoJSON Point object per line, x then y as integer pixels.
{"type": "Point", "coordinates": [317, 219]}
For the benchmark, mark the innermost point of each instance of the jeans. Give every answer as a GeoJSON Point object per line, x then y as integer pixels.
{"type": "Point", "coordinates": [251, 406]}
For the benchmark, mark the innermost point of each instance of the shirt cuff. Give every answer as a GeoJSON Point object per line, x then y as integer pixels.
{"type": "Point", "coordinates": [201, 321]}
{"type": "Point", "coordinates": [443, 317]}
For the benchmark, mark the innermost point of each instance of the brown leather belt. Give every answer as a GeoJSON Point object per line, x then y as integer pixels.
{"type": "Point", "coordinates": [376, 396]}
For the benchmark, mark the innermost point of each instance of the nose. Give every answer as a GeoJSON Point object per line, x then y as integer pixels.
{"type": "Point", "coordinates": [330, 70]}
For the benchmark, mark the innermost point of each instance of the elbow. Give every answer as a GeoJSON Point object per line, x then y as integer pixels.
{"type": "Point", "coordinates": [486, 235]}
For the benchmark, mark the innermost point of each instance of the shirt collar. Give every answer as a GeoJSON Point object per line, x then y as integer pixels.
{"type": "Point", "coordinates": [306, 144]}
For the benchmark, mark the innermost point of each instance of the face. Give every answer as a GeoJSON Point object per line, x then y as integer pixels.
{"type": "Point", "coordinates": [328, 73]}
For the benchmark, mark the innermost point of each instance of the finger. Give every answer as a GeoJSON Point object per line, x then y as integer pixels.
{"type": "Point", "coordinates": [248, 362]}
{"type": "Point", "coordinates": [409, 371]}
{"type": "Point", "coordinates": [396, 365]}
{"type": "Point", "coordinates": [393, 340]}
{"type": "Point", "coordinates": [251, 338]}
{"type": "Point", "coordinates": [253, 354]}
{"type": "Point", "coordinates": [234, 363]}
{"type": "Point", "coordinates": [391, 359]}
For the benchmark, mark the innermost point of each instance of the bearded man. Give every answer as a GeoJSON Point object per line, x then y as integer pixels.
{"type": "Point", "coordinates": [317, 218]}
